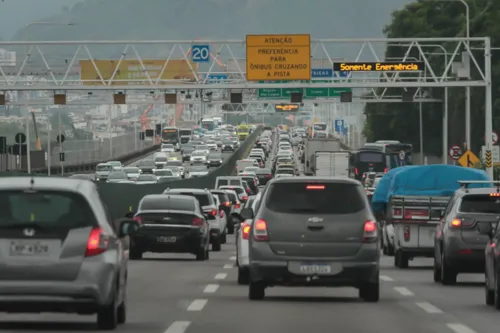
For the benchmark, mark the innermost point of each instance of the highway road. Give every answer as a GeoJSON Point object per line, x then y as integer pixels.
{"type": "Point", "coordinates": [179, 294]}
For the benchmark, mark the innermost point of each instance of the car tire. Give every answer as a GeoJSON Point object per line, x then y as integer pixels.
{"type": "Point", "coordinates": [207, 254]}
{"type": "Point", "coordinates": [135, 254]}
{"type": "Point", "coordinates": [370, 292]}
{"type": "Point", "coordinates": [216, 245]}
{"type": "Point", "coordinates": [489, 295]}
{"type": "Point", "coordinates": [401, 260]}
{"type": "Point", "coordinates": [107, 316]}
{"type": "Point", "coordinates": [243, 275]}
{"type": "Point", "coordinates": [256, 291]}
{"type": "Point", "coordinates": [201, 254]}
{"type": "Point", "coordinates": [448, 275]}
{"type": "Point", "coordinates": [122, 310]}
{"type": "Point", "coordinates": [497, 293]}
{"type": "Point", "coordinates": [230, 228]}
{"type": "Point", "coordinates": [390, 250]}
{"type": "Point", "coordinates": [223, 238]}
{"type": "Point", "coordinates": [436, 272]}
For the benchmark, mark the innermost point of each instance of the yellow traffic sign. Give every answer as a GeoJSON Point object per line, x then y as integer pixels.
{"type": "Point", "coordinates": [468, 159]}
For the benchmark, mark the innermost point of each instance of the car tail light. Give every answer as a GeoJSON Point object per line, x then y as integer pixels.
{"type": "Point", "coordinates": [97, 243]}
{"type": "Point", "coordinates": [315, 187]}
{"type": "Point", "coordinates": [260, 231]}
{"type": "Point", "coordinates": [227, 204]}
{"type": "Point", "coordinates": [197, 221]}
{"type": "Point", "coordinates": [356, 171]}
{"type": "Point", "coordinates": [247, 190]}
{"type": "Point", "coordinates": [397, 213]}
{"type": "Point", "coordinates": [221, 214]}
{"type": "Point", "coordinates": [269, 176]}
{"type": "Point", "coordinates": [467, 251]}
{"type": "Point", "coordinates": [456, 223]}
{"type": "Point", "coordinates": [494, 194]}
{"type": "Point", "coordinates": [245, 230]}
{"type": "Point", "coordinates": [406, 233]}
{"type": "Point", "coordinates": [385, 170]}
{"type": "Point", "coordinates": [244, 198]}
{"type": "Point", "coordinates": [213, 212]}
{"type": "Point", "coordinates": [369, 232]}
{"type": "Point", "coordinates": [138, 219]}
{"type": "Point", "coordinates": [237, 204]}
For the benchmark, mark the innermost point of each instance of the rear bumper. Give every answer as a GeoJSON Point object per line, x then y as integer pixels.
{"type": "Point", "coordinates": [183, 244]}
{"type": "Point", "coordinates": [464, 257]}
{"type": "Point", "coordinates": [276, 273]}
{"type": "Point", "coordinates": [418, 252]}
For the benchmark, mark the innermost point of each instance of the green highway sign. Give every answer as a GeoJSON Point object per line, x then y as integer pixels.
{"type": "Point", "coordinates": [308, 93]}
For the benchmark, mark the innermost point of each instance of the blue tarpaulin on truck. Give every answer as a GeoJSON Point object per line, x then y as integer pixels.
{"type": "Point", "coordinates": [426, 180]}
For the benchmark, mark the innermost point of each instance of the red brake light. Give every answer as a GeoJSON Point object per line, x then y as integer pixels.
{"type": "Point", "coordinates": [247, 190]}
{"type": "Point", "coordinates": [221, 214]}
{"type": "Point", "coordinates": [237, 204]}
{"type": "Point", "coordinates": [138, 219]}
{"type": "Point", "coordinates": [244, 198]}
{"type": "Point", "coordinates": [213, 212]}
{"type": "Point", "coordinates": [260, 231]}
{"type": "Point", "coordinates": [385, 170]}
{"type": "Point", "coordinates": [269, 176]}
{"type": "Point", "coordinates": [406, 233]}
{"type": "Point", "coordinates": [227, 204]}
{"type": "Point", "coordinates": [245, 230]}
{"type": "Point", "coordinates": [315, 187]}
{"type": "Point", "coordinates": [370, 232]}
{"type": "Point", "coordinates": [456, 223]}
{"type": "Point", "coordinates": [494, 194]}
{"type": "Point", "coordinates": [97, 243]}
{"type": "Point", "coordinates": [197, 221]}
{"type": "Point", "coordinates": [356, 171]}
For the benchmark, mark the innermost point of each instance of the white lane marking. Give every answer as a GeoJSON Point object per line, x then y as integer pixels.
{"type": "Point", "coordinates": [211, 288]}
{"type": "Point", "coordinates": [404, 291]}
{"type": "Point", "coordinates": [428, 307]}
{"type": "Point", "coordinates": [228, 266]}
{"type": "Point", "coordinates": [178, 327]}
{"type": "Point", "coordinates": [386, 278]}
{"type": "Point", "coordinates": [220, 276]}
{"type": "Point", "coordinates": [232, 258]}
{"type": "Point", "coordinates": [197, 305]}
{"type": "Point", "coordinates": [460, 328]}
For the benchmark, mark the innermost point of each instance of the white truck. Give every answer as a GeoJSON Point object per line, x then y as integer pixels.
{"type": "Point", "coordinates": [331, 164]}
{"type": "Point", "coordinates": [312, 146]}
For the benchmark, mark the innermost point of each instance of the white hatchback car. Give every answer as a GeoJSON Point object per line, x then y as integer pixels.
{"type": "Point", "coordinates": [242, 249]}
{"type": "Point", "coordinates": [221, 221]}
{"type": "Point", "coordinates": [167, 148]}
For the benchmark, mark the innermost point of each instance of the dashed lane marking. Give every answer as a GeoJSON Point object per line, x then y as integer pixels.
{"type": "Point", "coordinates": [386, 278]}
{"type": "Point", "coordinates": [220, 276]}
{"type": "Point", "coordinates": [232, 258]}
{"type": "Point", "coordinates": [211, 288]}
{"type": "Point", "coordinates": [197, 305]}
{"type": "Point", "coordinates": [428, 307]}
{"type": "Point", "coordinates": [178, 327]}
{"type": "Point", "coordinates": [460, 328]}
{"type": "Point", "coordinates": [404, 291]}
{"type": "Point", "coordinates": [228, 266]}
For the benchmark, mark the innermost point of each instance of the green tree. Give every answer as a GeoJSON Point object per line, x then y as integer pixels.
{"type": "Point", "coordinates": [439, 19]}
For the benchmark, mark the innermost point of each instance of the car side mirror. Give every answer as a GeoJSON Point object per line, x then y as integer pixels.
{"type": "Point", "coordinates": [247, 213]}
{"type": "Point", "coordinates": [127, 227]}
{"type": "Point", "coordinates": [485, 229]}
{"type": "Point", "coordinates": [237, 218]}
{"type": "Point", "coordinates": [129, 215]}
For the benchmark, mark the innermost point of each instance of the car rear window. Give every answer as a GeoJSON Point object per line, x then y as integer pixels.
{"type": "Point", "coordinates": [232, 197]}
{"type": "Point", "coordinates": [238, 190]}
{"type": "Point", "coordinates": [45, 208]}
{"type": "Point", "coordinates": [223, 197]}
{"type": "Point", "coordinates": [328, 198]}
{"type": "Point", "coordinates": [480, 203]}
{"type": "Point", "coordinates": [202, 198]}
{"type": "Point", "coordinates": [224, 182]}
{"type": "Point", "coordinates": [285, 171]}
{"type": "Point", "coordinates": [166, 204]}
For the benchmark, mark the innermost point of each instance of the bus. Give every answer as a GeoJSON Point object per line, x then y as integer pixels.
{"type": "Point", "coordinates": [185, 134]}
{"type": "Point", "coordinates": [208, 124]}
{"type": "Point", "coordinates": [380, 156]}
{"type": "Point", "coordinates": [171, 135]}
{"type": "Point", "coordinates": [319, 128]}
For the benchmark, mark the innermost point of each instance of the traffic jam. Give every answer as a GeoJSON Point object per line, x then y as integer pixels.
{"type": "Point", "coordinates": [299, 212]}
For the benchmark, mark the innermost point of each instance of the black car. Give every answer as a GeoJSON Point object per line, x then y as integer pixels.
{"type": "Point", "coordinates": [227, 145]}
{"type": "Point", "coordinates": [252, 182]}
{"type": "Point", "coordinates": [186, 152]}
{"type": "Point", "coordinates": [264, 175]}
{"type": "Point", "coordinates": [214, 160]}
{"type": "Point", "coordinates": [227, 206]}
{"type": "Point", "coordinates": [146, 166]}
{"type": "Point", "coordinates": [170, 224]}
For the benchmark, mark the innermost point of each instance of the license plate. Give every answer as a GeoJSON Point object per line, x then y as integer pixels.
{"type": "Point", "coordinates": [166, 239]}
{"type": "Point", "coordinates": [315, 269]}
{"type": "Point", "coordinates": [28, 248]}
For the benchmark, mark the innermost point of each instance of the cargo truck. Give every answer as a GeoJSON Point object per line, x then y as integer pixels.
{"type": "Point", "coordinates": [332, 164]}
{"type": "Point", "coordinates": [312, 146]}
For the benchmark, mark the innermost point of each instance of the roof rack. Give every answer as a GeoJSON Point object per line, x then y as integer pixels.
{"type": "Point", "coordinates": [465, 183]}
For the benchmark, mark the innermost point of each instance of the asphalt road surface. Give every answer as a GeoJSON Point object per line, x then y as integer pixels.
{"type": "Point", "coordinates": [176, 294]}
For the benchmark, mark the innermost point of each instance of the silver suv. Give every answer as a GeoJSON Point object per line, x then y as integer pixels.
{"type": "Point", "coordinates": [309, 231]}
{"type": "Point", "coordinates": [59, 250]}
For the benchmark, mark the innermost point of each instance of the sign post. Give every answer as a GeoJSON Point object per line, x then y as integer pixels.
{"type": "Point", "coordinates": [278, 57]}
{"type": "Point", "coordinates": [339, 125]}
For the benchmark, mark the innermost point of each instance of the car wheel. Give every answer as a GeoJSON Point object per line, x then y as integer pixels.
{"type": "Point", "coordinates": [216, 245]}
{"type": "Point", "coordinates": [200, 254]}
{"type": "Point", "coordinates": [256, 291]}
{"type": "Point", "coordinates": [436, 272]}
{"type": "Point", "coordinates": [223, 238]}
{"type": "Point", "coordinates": [489, 294]}
{"type": "Point", "coordinates": [122, 310]}
{"type": "Point", "coordinates": [497, 293]}
{"type": "Point", "coordinates": [207, 254]}
{"type": "Point", "coordinates": [390, 250]}
{"type": "Point", "coordinates": [107, 316]}
{"type": "Point", "coordinates": [230, 228]}
{"type": "Point", "coordinates": [243, 275]}
{"type": "Point", "coordinates": [448, 275]}
{"type": "Point", "coordinates": [400, 260]}
{"type": "Point", "coordinates": [370, 292]}
{"type": "Point", "coordinates": [135, 254]}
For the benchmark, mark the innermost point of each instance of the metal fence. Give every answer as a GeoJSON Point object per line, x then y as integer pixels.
{"type": "Point", "coordinates": [82, 151]}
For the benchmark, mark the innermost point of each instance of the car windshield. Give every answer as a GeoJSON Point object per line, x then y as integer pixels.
{"type": "Point", "coordinates": [260, 171]}
{"type": "Point", "coordinates": [161, 159]}
{"type": "Point", "coordinates": [117, 175]}
{"type": "Point", "coordinates": [250, 169]}
{"type": "Point", "coordinates": [174, 163]}
{"type": "Point", "coordinates": [286, 171]}
{"type": "Point", "coordinates": [198, 153]}
{"type": "Point", "coordinates": [58, 209]}
{"type": "Point", "coordinates": [167, 146]}
{"type": "Point", "coordinates": [480, 203]}
{"type": "Point", "coordinates": [104, 167]}
{"type": "Point", "coordinates": [174, 169]}
{"type": "Point", "coordinates": [200, 168]}
{"type": "Point", "coordinates": [285, 160]}
{"type": "Point", "coordinates": [215, 157]}
{"type": "Point", "coordinates": [210, 142]}
{"type": "Point", "coordinates": [115, 163]}
{"type": "Point", "coordinates": [227, 142]}
{"type": "Point", "coordinates": [147, 163]}
{"type": "Point", "coordinates": [131, 170]}
{"type": "Point", "coordinates": [146, 178]}
{"type": "Point", "coordinates": [329, 198]}
{"type": "Point", "coordinates": [163, 172]}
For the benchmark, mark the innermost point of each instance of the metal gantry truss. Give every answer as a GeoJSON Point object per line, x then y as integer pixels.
{"type": "Point", "coordinates": [54, 66]}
